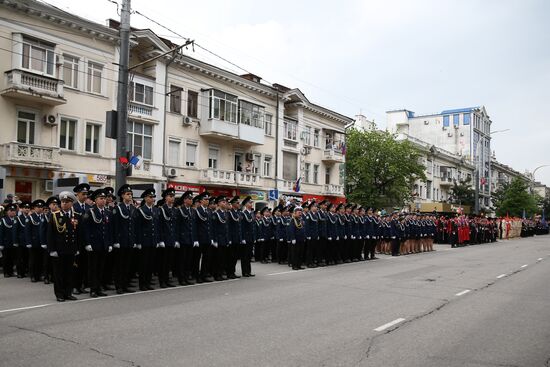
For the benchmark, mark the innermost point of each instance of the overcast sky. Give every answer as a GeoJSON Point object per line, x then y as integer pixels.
{"type": "Point", "coordinates": [374, 56]}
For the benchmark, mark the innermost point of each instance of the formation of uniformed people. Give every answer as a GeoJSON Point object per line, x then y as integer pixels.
{"type": "Point", "coordinates": [87, 241]}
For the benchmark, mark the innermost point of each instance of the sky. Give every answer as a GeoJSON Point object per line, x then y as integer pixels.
{"type": "Point", "coordinates": [373, 56]}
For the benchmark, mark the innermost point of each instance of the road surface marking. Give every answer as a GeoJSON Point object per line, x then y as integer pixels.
{"type": "Point", "coordinates": [389, 324]}
{"type": "Point", "coordinates": [463, 292]}
{"type": "Point", "coordinates": [501, 276]}
{"type": "Point", "coordinates": [524, 266]}
{"type": "Point", "coordinates": [111, 296]}
{"type": "Point", "coordinates": [539, 259]}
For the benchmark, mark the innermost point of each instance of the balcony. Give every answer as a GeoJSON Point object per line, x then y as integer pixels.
{"type": "Point", "coordinates": [31, 87]}
{"type": "Point", "coordinates": [220, 129]}
{"type": "Point", "coordinates": [217, 176]}
{"type": "Point", "coordinates": [288, 185]}
{"type": "Point", "coordinates": [19, 154]}
{"type": "Point", "coordinates": [446, 181]}
{"type": "Point", "coordinates": [331, 189]}
{"type": "Point", "coordinates": [140, 110]}
{"type": "Point", "coordinates": [251, 134]}
{"type": "Point", "coordinates": [247, 179]}
{"type": "Point", "coordinates": [333, 155]}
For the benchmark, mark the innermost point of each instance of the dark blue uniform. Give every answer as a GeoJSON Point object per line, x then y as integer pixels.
{"type": "Point", "coordinates": [247, 236]}
{"type": "Point", "coordinates": [124, 241]}
{"type": "Point", "coordinates": [8, 238]}
{"type": "Point", "coordinates": [297, 237]}
{"type": "Point", "coordinates": [204, 234]}
{"type": "Point", "coordinates": [147, 237]}
{"type": "Point", "coordinates": [167, 242]}
{"type": "Point", "coordinates": [97, 236]}
{"type": "Point", "coordinates": [221, 264]}
{"type": "Point", "coordinates": [187, 236]}
{"type": "Point", "coordinates": [34, 243]}
{"type": "Point", "coordinates": [234, 233]}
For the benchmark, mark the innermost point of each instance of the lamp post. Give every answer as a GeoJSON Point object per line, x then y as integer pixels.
{"type": "Point", "coordinates": [533, 178]}
{"type": "Point", "coordinates": [476, 170]}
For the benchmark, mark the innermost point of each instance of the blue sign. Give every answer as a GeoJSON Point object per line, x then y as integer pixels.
{"type": "Point", "coordinates": [273, 194]}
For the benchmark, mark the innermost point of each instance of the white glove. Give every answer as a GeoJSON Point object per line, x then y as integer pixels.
{"type": "Point", "coordinates": [161, 244]}
{"type": "Point", "coordinates": [281, 240]}
{"type": "Point", "coordinates": [230, 242]}
{"type": "Point", "coordinates": [29, 246]}
{"type": "Point", "coordinates": [393, 237]}
{"type": "Point", "coordinates": [309, 238]}
{"type": "Point", "coordinates": [243, 242]}
{"type": "Point", "coordinates": [293, 242]}
{"type": "Point", "coordinates": [54, 254]}
{"type": "Point", "coordinates": [211, 242]}
{"type": "Point", "coordinates": [215, 244]}
{"type": "Point", "coordinates": [135, 245]}
{"type": "Point", "coordinates": [367, 237]}
{"type": "Point", "coordinates": [177, 245]}
{"type": "Point", "coordinates": [44, 246]}
{"type": "Point", "coordinates": [138, 247]}
{"type": "Point", "coordinates": [1, 248]}
{"type": "Point", "coordinates": [196, 244]}
{"type": "Point", "coordinates": [88, 248]}
{"type": "Point", "coordinates": [330, 238]}
{"type": "Point", "coordinates": [110, 248]}
{"type": "Point", "coordinates": [116, 245]}
{"type": "Point", "coordinates": [77, 253]}
{"type": "Point", "coordinates": [337, 238]}
{"type": "Point", "coordinates": [15, 245]}
{"type": "Point", "coordinates": [345, 237]}
{"type": "Point", "coordinates": [352, 237]}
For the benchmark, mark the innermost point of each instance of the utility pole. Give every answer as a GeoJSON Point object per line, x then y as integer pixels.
{"type": "Point", "coordinates": [122, 92]}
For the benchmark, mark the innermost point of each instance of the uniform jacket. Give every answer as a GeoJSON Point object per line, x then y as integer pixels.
{"type": "Point", "coordinates": [64, 232]}
{"type": "Point", "coordinates": [147, 226]}
{"type": "Point", "coordinates": [97, 229]}
{"type": "Point", "coordinates": [124, 225]}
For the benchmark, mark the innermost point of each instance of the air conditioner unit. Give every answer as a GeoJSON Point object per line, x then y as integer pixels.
{"type": "Point", "coordinates": [305, 151]}
{"type": "Point", "coordinates": [171, 172]}
{"type": "Point", "coordinates": [50, 119]}
{"type": "Point", "coordinates": [449, 134]}
{"type": "Point", "coordinates": [187, 121]}
{"type": "Point", "coordinates": [461, 134]}
{"type": "Point", "coordinates": [249, 157]}
{"type": "Point", "coordinates": [426, 122]}
{"type": "Point", "coordinates": [48, 186]}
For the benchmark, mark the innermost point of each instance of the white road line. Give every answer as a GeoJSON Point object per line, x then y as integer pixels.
{"type": "Point", "coordinates": [539, 259]}
{"type": "Point", "coordinates": [111, 296]}
{"type": "Point", "coordinates": [501, 276]}
{"type": "Point", "coordinates": [463, 292]}
{"type": "Point", "coordinates": [389, 324]}
{"type": "Point", "coordinates": [524, 266]}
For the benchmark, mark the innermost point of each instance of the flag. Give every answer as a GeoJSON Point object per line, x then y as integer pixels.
{"type": "Point", "coordinates": [296, 187]}
{"type": "Point", "coordinates": [136, 160]}
{"type": "Point", "coordinates": [343, 148]}
{"type": "Point", "coordinates": [523, 215]}
{"type": "Point", "coordinates": [123, 160]}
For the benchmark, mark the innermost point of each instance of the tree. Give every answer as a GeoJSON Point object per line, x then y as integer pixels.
{"type": "Point", "coordinates": [498, 195]}
{"type": "Point", "coordinates": [515, 198]}
{"type": "Point", "coordinates": [462, 193]}
{"type": "Point", "coordinates": [380, 170]}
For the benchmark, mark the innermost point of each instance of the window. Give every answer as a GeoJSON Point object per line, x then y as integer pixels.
{"type": "Point", "coordinates": [429, 167]}
{"type": "Point", "coordinates": [223, 106]}
{"type": "Point", "coordinates": [94, 76]}
{"type": "Point", "coordinates": [140, 137]}
{"type": "Point", "coordinates": [342, 173]}
{"type": "Point", "coordinates": [175, 99]}
{"type": "Point", "coordinates": [25, 127]}
{"type": "Point", "coordinates": [290, 166]}
{"type": "Point", "coordinates": [190, 154]}
{"type": "Point", "coordinates": [428, 189]}
{"type": "Point", "coordinates": [67, 131]}
{"type": "Point", "coordinates": [446, 121]}
{"type": "Point", "coordinates": [256, 164]}
{"type": "Point", "coordinates": [70, 71]}
{"type": "Point", "coordinates": [268, 124]}
{"type": "Point", "coordinates": [192, 103]}
{"type": "Point", "coordinates": [290, 129]}
{"type": "Point", "coordinates": [456, 118]}
{"type": "Point", "coordinates": [213, 154]}
{"type": "Point", "coordinates": [92, 138]}
{"type": "Point", "coordinates": [316, 134]}
{"type": "Point", "coordinates": [141, 93]}
{"type": "Point", "coordinates": [251, 114]}
{"type": "Point", "coordinates": [174, 152]}
{"type": "Point", "coordinates": [466, 119]}
{"type": "Point", "coordinates": [38, 56]}
{"type": "Point", "coordinates": [306, 135]}
{"type": "Point", "coordinates": [267, 165]}
{"type": "Point", "coordinates": [327, 175]}
{"type": "Point", "coordinates": [315, 173]}
{"type": "Point", "coordinates": [307, 168]}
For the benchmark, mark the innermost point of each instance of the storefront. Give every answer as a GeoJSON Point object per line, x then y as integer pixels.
{"type": "Point", "coordinates": [259, 198]}
{"type": "Point", "coordinates": [27, 183]}
{"type": "Point", "coordinates": [183, 187]}
{"type": "Point", "coordinates": [444, 208]}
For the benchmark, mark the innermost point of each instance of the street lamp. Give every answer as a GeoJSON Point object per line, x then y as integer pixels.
{"type": "Point", "coordinates": [533, 178]}
{"type": "Point", "coordinates": [476, 170]}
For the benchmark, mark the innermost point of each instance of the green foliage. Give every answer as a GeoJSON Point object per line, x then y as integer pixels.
{"type": "Point", "coordinates": [515, 198]}
{"type": "Point", "coordinates": [462, 193]}
{"type": "Point", "coordinates": [380, 170]}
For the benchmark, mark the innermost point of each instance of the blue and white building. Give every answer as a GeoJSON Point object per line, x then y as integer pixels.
{"type": "Point", "coordinates": [463, 131]}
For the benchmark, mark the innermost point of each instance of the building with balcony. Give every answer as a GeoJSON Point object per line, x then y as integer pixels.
{"type": "Point", "coordinates": [502, 174]}
{"type": "Point", "coordinates": [464, 132]}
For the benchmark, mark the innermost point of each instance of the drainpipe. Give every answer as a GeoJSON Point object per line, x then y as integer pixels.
{"type": "Point", "coordinates": [277, 143]}
{"type": "Point", "coordinates": [166, 93]}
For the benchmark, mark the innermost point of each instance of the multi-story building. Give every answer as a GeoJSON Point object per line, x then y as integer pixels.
{"type": "Point", "coordinates": [502, 174]}
{"type": "Point", "coordinates": [464, 132]}
{"type": "Point", "coordinates": [195, 125]}
{"type": "Point", "coordinates": [443, 170]}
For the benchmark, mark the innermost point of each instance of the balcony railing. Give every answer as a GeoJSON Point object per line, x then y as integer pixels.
{"type": "Point", "coordinates": [27, 85]}
{"type": "Point", "coordinates": [217, 176]}
{"type": "Point", "coordinates": [331, 189]}
{"type": "Point", "coordinates": [247, 178]}
{"type": "Point", "coordinates": [333, 155]}
{"type": "Point", "coordinates": [30, 155]}
{"type": "Point", "coordinates": [140, 110]}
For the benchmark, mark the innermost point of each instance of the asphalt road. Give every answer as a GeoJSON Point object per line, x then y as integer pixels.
{"type": "Point", "coordinates": [486, 305]}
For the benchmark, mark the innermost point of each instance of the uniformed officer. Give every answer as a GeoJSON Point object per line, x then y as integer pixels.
{"type": "Point", "coordinates": [204, 236]}
{"type": "Point", "coordinates": [321, 253]}
{"type": "Point", "coordinates": [147, 237]}
{"type": "Point", "coordinates": [124, 239]}
{"type": "Point", "coordinates": [81, 206]}
{"type": "Point", "coordinates": [312, 234]}
{"type": "Point", "coordinates": [370, 236]}
{"type": "Point", "coordinates": [296, 237]}
{"type": "Point", "coordinates": [279, 233]}
{"type": "Point", "coordinates": [341, 233]}
{"type": "Point", "coordinates": [189, 252]}
{"type": "Point", "coordinates": [64, 233]}
{"type": "Point", "coordinates": [52, 206]}
{"type": "Point", "coordinates": [332, 234]}
{"type": "Point", "coordinates": [97, 235]}
{"type": "Point", "coordinates": [167, 237]}
{"type": "Point", "coordinates": [21, 222]}
{"type": "Point", "coordinates": [220, 229]}
{"type": "Point", "coordinates": [8, 239]}
{"type": "Point", "coordinates": [247, 236]}
{"type": "Point", "coordinates": [234, 228]}
{"type": "Point", "coordinates": [33, 239]}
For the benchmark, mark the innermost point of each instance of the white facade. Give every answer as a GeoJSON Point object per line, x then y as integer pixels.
{"type": "Point", "coordinates": [464, 132]}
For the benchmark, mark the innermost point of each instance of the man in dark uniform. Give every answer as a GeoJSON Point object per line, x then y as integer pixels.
{"type": "Point", "coordinates": [247, 236]}
{"type": "Point", "coordinates": [297, 237]}
{"type": "Point", "coordinates": [123, 238]}
{"type": "Point", "coordinates": [189, 245]}
{"type": "Point", "coordinates": [167, 237]}
{"type": "Point", "coordinates": [341, 233]}
{"type": "Point", "coordinates": [234, 229]}
{"type": "Point", "coordinates": [332, 234]}
{"type": "Point", "coordinates": [64, 233]}
{"type": "Point", "coordinates": [97, 234]}
{"type": "Point", "coordinates": [80, 271]}
{"type": "Point", "coordinates": [147, 236]}
{"type": "Point", "coordinates": [22, 251]}
{"type": "Point", "coordinates": [321, 253]}
{"type": "Point", "coordinates": [394, 235]}
{"type": "Point", "coordinates": [220, 229]}
{"type": "Point", "coordinates": [279, 233]}
{"type": "Point", "coordinates": [52, 206]}
{"type": "Point", "coordinates": [204, 236]}
{"type": "Point", "coordinates": [8, 238]}
{"type": "Point", "coordinates": [33, 239]}
{"type": "Point", "coordinates": [312, 234]}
